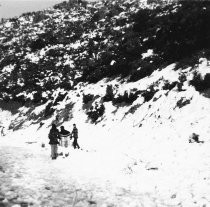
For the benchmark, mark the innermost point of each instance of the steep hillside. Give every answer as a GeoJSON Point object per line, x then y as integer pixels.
{"type": "Point", "coordinates": [71, 43]}
{"type": "Point", "coordinates": [135, 78]}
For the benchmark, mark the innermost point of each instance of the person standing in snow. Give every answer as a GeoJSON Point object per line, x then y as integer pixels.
{"type": "Point", "coordinates": [54, 136]}
{"type": "Point", "coordinates": [64, 135]}
{"type": "Point", "coordinates": [2, 131]}
{"type": "Point", "coordinates": [74, 135]}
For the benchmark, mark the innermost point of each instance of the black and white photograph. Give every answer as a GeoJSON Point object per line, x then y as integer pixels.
{"type": "Point", "coordinates": [104, 103]}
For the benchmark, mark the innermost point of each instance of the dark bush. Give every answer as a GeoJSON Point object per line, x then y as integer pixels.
{"type": "Point", "coordinates": [66, 85]}
{"type": "Point", "coordinates": [199, 83]}
{"type": "Point", "coordinates": [87, 98]}
{"type": "Point", "coordinates": [182, 102]}
{"type": "Point", "coordinates": [169, 86]}
{"type": "Point", "coordinates": [19, 99]}
{"type": "Point", "coordinates": [59, 98]}
{"type": "Point", "coordinates": [126, 98]}
{"type": "Point", "coordinates": [10, 105]}
{"type": "Point", "coordinates": [109, 94]}
{"type": "Point", "coordinates": [96, 112]}
{"type": "Point", "coordinates": [49, 110]}
{"type": "Point", "coordinates": [145, 69]}
{"type": "Point", "coordinates": [148, 94]}
{"type": "Point", "coordinates": [39, 16]}
{"type": "Point", "coordinates": [187, 62]}
{"type": "Point", "coordinates": [37, 44]}
{"type": "Point", "coordinates": [37, 97]}
{"type": "Point", "coordinates": [195, 138]}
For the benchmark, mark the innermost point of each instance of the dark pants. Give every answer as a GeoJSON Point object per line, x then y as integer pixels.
{"type": "Point", "coordinates": [75, 144]}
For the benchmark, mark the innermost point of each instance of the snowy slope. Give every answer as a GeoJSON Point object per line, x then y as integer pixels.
{"type": "Point", "coordinates": [142, 146]}
{"type": "Point", "coordinates": [137, 127]}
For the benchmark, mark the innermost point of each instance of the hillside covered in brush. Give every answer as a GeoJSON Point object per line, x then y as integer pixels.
{"type": "Point", "coordinates": [135, 78]}
{"type": "Point", "coordinates": [86, 42]}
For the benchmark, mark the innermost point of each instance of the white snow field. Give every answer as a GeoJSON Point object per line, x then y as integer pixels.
{"type": "Point", "coordinates": [137, 155]}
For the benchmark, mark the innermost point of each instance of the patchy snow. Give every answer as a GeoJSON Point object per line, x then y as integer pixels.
{"type": "Point", "coordinates": [147, 54]}
{"type": "Point", "coordinates": [8, 69]}
{"type": "Point", "coordinates": [142, 158]}
{"type": "Point", "coordinates": [8, 24]}
{"type": "Point", "coordinates": [33, 57]}
{"type": "Point", "coordinates": [203, 67]}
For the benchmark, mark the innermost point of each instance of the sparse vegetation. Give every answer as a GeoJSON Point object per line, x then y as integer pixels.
{"type": "Point", "coordinates": [49, 110]}
{"type": "Point", "coordinates": [149, 93]}
{"type": "Point", "coordinates": [107, 40]}
{"type": "Point", "coordinates": [182, 102]}
{"type": "Point", "coordinates": [87, 98]}
{"type": "Point", "coordinates": [168, 85]}
{"type": "Point", "coordinates": [96, 112]}
{"type": "Point", "coordinates": [109, 94]}
{"type": "Point", "coordinates": [199, 82]}
{"type": "Point", "coordinates": [126, 98]}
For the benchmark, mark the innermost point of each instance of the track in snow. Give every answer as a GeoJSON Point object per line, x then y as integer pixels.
{"type": "Point", "coordinates": [28, 178]}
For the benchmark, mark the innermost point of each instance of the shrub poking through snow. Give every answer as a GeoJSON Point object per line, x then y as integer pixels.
{"type": "Point", "coordinates": [132, 110]}
{"type": "Point", "coordinates": [200, 83]}
{"type": "Point", "coordinates": [11, 106]}
{"type": "Point", "coordinates": [87, 98]}
{"type": "Point", "coordinates": [182, 102]}
{"type": "Point", "coordinates": [169, 86]}
{"type": "Point", "coordinates": [182, 78]}
{"type": "Point", "coordinates": [37, 97]}
{"type": "Point", "coordinates": [59, 98]}
{"type": "Point", "coordinates": [96, 112]}
{"type": "Point", "coordinates": [127, 98]}
{"type": "Point", "coordinates": [145, 69]}
{"type": "Point", "coordinates": [109, 94]}
{"type": "Point", "coordinates": [194, 138]}
{"type": "Point", "coordinates": [49, 110]}
{"type": "Point", "coordinates": [149, 93]}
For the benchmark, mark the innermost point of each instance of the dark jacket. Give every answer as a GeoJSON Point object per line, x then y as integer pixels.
{"type": "Point", "coordinates": [75, 133]}
{"type": "Point", "coordinates": [54, 136]}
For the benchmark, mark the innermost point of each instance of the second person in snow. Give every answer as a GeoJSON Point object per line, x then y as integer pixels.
{"type": "Point", "coordinates": [74, 135]}
{"type": "Point", "coordinates": [64, 135]}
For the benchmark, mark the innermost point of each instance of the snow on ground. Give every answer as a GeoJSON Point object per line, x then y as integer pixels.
{"type": "Point", "coordinates": [142, 158]}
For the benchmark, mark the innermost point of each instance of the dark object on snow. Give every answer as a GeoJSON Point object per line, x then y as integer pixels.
{"type": "Point", "coordinates": [40, 125]}
{"type": "Point", "coordinates": [92, 202]}
{"type": "Point", "coordinates": [64, 134]}
{"type": "Point", "coordinates": [195, 138]}
{"type": "Point", "coordinates": [54, 136]}
{"type": "Point", "coordinates": [31, 142]}
{"type": "Point", "coordinates": [152, 168]}
{"type": "Point", "coordinates": [2, 131]}
{"type": "Point", "coordinates": [2, 169]}
{"type": "Point", "coordinates": [75, 136]}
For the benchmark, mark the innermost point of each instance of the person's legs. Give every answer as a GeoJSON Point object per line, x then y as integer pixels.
{"type": "Point", "coordinates": [76, 144]}
{"type": "Point", "coordinates": [66, 147]}
{"type": "Point", "coordinates": [56, 151]}
{"type": "Point", "coordinates": [52, 151]}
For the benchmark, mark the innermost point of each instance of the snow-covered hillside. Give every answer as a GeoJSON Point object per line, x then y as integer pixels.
{"type": "Point", "coordinates": [142, 145]}
{"type": "Point", "coordinates": [134, 77]}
